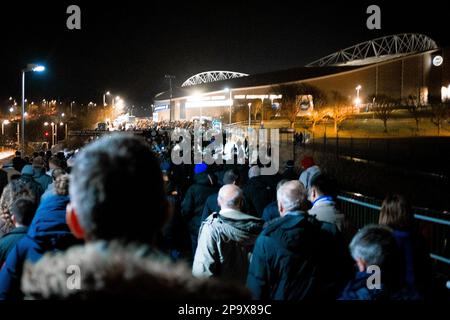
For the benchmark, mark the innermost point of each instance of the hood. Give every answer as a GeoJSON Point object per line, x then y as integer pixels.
{"type": "Point", "coordinates": [294, 231]}
{"type": "Point", "coordinates": [49, 223]}
{"type": "Point", "coordinates": [258, 182]}
{"type": "Point", "coordinates": [38, 172]}
{"type": "Point", "coordinates": [27, 170]}
{"type": "Point", "coordinates": [240, 227]}
{"type": "Point", "coordinates": [146, 277]}
{"type": "Point", "coordinates": [202, 178]}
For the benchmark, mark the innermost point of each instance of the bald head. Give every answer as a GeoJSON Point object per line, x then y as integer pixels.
{"type": "Point", "coordinates": [230, 197]}
{"type": "Point", "coordinates": [291, 196]}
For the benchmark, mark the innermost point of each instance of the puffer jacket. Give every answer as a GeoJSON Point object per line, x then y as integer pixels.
{"type": "Point", "coordinates": [225, 243]}
{"type": "Point", "coordinates": [48, 233]}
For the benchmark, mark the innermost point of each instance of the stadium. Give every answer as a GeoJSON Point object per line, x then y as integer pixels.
{"type": "Point", "coordinates": [398, 66]}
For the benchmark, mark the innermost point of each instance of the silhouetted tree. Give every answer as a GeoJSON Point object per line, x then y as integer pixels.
{"type": "Point", "coordinates": [292, 97]}
{"type": "Point", "coordinates": [439, 114]}
{"type": "Point", "coordinates": [383, 106]}
{"type": "Point", "coordinates": [415, 108]}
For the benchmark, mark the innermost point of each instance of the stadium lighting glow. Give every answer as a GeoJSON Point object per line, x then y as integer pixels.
{"type": "Point", "coordinates": [445, 93]}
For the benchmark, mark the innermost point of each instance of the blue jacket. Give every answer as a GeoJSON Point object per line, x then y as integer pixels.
{"type": "Point", "coordinates": [357, 290]}
{"type": "Point", "coordinates": [48, 232]}
{"type": "Point", "coordinates": [298, 257]}
{"type": "Point", "coordinates": [415, 257]}
{"type": "Point", "coordinates": [271, 212]}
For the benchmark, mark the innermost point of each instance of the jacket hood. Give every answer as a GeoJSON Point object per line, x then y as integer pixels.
{"type": "Point", "coordinates": [38, 172]}
{"type": "Point", "coordinates": [257, 182]}
{"type": "Point", "coordinates": [27, 170]}
{"type": "Point", "coordinates": [49, 223]}
{"type": "Point", "coordinates": [294, 230]}
{"type": "Point", "coordinates": [121, 271]}
{"type": "Point", "coordinates": [202, 179]}
{"type": "Point", "coordinates": [239, 227]}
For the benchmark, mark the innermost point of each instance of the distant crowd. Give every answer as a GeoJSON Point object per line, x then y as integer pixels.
{"type": "Point", "coordinates": [138, 226]}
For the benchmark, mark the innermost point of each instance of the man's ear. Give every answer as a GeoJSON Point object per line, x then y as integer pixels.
{"type": "Point", "coordinates": [73, 222]}
{"type": "Point", "coordinates": [361, 264]}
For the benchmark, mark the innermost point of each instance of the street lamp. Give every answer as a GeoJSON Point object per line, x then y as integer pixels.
{"type": "Point", "coordinates": [29, 68]}
{"type": "Point", "coordinates": [358, 99]}
{"type": "Point", "coordinates": [5, 122]}
{"type": "Point", "coordinates": [107, 93]}
{"type": "Point", "coordinates": [249, 114]}
{"type": "Point", "coordinates": [54, 131]}
{"type": "Point", "coordinates": [171, 77]}
{"type": "Point", "coordinates": [230, 102]}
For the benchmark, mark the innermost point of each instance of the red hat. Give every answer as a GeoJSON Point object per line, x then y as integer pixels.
{"type": "Point", "coordinates": [307, 162]}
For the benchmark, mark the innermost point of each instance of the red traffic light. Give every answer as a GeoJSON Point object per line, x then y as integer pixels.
{"type": "Point", "coordinates": [46, 133]}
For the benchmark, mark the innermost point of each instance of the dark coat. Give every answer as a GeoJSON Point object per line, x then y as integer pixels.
{"type": "Point", "coordinates": [9, 240]}
{"type": "Point", "coordinates": [48, 233]}
{"type": "Point", "coordinates": [271, 212]}
{"type": "Point", "coordinates": [415, 257]}
{"type": "Point", "coordinates": [258, 194]}
{"type": "Point", "coordinates": [357, 290]}
{"type": "Point", "coordinates": [211, 206]}
{"type": "Point", "coordinates": [298, 257]}
{"type": "Point", "coordinates": [193, 202]}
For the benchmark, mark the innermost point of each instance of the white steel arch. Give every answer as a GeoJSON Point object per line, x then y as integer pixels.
{"type": "Point", "coordinates": [378, 50]}
{"type": "Point", "coordinates": [212, 76]}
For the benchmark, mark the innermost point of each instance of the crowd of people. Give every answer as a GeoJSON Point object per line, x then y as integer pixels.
{"type": "Point", "coordinates": [137, 225]}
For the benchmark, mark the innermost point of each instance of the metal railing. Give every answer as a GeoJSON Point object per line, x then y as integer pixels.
{"type": "Point", "coordinates": [433, 225]}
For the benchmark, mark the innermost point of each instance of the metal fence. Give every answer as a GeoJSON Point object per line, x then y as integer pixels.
{"type": "Point", "coordinates": [433, 225]}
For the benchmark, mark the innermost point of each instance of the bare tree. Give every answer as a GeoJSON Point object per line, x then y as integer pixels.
{"type": "Point", "coordinates": [340, 110]}
{"type": "Point", "coordinates": [415, 108]}
{"type": "Point", "coordinates": [292, 97]}
{"type": "Point", "coordinates": [439, 114]}
{"type": "Point", "coordinates": [256, 108]}
{"type": "Point", "coordinates": [383, 106]}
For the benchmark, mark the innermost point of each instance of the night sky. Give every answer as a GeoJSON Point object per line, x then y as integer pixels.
{"type": "Point", "coordinates": [128, 47]}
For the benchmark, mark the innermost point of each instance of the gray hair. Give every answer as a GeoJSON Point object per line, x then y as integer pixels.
{"type": "Point", "coordinates": [230, 196]}
{"type": "Point", "coordinates": [291, 195]}
{"type": "Point", "coordinates": [373, 244]}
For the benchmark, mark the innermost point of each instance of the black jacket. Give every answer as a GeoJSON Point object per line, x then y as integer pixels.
{"type": "Point", "coordinates": [193, 202]}
{"type": "Point", "coordinates": [258, 194]}
{"type": "Point", "coordinates": [298, 257]}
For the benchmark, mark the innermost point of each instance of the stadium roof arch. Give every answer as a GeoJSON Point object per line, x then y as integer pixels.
{"type": "Point", "coordinates": [378, 50]}
{"type": "Point", "coordinates": [212, 76]}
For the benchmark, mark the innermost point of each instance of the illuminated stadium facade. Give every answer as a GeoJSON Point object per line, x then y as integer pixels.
{"type": "Point", "coordinates": [397, 66]}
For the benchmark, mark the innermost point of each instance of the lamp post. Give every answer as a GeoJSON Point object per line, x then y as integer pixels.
{"type": "Point", "coordinates": [249, 114]}
{"type": "Point", "coordinates": [61, 124]}
{"type": "Point", "coordinates": [170, 77]}
{"type": "Point", "coordinates": [34, 68]}
{"type": "Point", "coordinates": [5, 122]}
{"type": "Point", "coordinates": [107, 93]}
{"type": "Point", "coordinates": [54, 132]}
{"type": "Point", "coordinates": [230, 102]}
{"type": "Point", "coordinates": [358, 100]}
{"type": "Point", "coordinates": [71, 108]}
